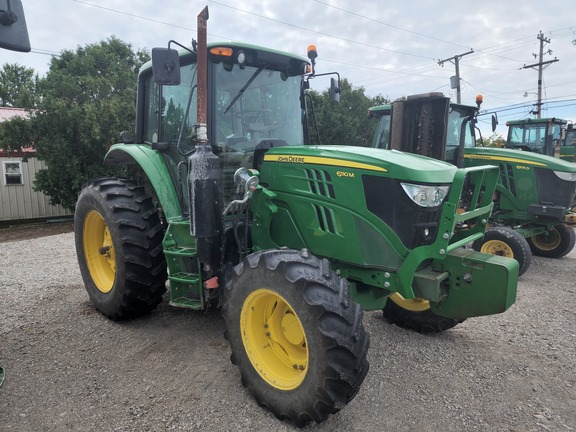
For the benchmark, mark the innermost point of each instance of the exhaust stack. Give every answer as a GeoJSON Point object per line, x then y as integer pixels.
{"type": "Point", "coordinates": [204, 175]}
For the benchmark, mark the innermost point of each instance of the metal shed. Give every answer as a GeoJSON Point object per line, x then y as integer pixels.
{"type": "Point", "coordinates": [18, 199]}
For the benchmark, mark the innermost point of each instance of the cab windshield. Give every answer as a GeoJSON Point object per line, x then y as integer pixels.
{"type": "Point", "coordinates": [536, 137]}
{"type": "Point", "coordinates": [249, 106]}
{"type": "Point", "coordinates": [460, 127]}
{"type": "Point", "coordinates": [255, 105]}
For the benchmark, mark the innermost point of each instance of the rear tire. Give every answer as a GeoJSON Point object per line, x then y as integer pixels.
{"type": "Point", "coordinates": [504, 241]}
{"type": "Point", "coordinates": [415, 314]}
{"type": "Point", "coordinates": [118, 238]}
{"type": "Point", "coordinates": [555, 243]}
{"type": "Point", "coordinates": [296, 335]}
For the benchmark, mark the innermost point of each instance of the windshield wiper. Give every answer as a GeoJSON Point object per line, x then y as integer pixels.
{"type": "Point", "coordinates": [243, 89]}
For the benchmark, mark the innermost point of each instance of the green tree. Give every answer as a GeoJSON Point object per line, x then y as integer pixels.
{"type": "Point", "coordinates": [15, 134]}
{"type": "Point", "coordinates": [494, 140]}
{"type": "Point", "coordinates": [87, 98]}
{"type": "Point", "coordinates": [18, 86]}
{"type": "Point", "coordinates": [347, 122]}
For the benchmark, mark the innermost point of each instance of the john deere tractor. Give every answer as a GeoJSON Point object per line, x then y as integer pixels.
{"type": "Point", "coordinates": [534, 195]}
{"type": "Point", "coordinates": [226, 202]}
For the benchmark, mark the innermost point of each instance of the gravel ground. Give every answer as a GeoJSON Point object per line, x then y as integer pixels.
{"type": "Point", "coordinates": [68, 368]}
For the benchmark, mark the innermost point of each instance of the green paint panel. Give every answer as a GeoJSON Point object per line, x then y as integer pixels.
{"type": "Point", "coordinates": [480, 284]}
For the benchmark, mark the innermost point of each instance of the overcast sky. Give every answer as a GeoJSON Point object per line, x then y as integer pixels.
{"type": "Point", "coordinates": [389, 47]}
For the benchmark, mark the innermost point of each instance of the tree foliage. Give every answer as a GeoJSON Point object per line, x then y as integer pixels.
{"type": "Point", "coordinates": [86, 99]}
{"type": "Point", "coordinates": [18, 86]}
{"type": "Point", "coordinates": [344, 123]}
{"type": "Point", "coordinates": [494, 140]}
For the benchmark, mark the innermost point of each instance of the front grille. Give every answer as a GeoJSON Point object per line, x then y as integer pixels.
{"type": "Point", "coordinates": [414, 225]}
{"type": "Point", "coordinates": [320, 183]}
{"type": "Point", "coordinates": [552, 190]}
{"type": "Point", "coordinates": [507, 177]}
{"type": "Point", "coordinates": [325, 219]}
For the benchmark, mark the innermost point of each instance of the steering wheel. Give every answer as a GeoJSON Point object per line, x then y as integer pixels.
{"type": "Point", "coordinates": [252, 115]}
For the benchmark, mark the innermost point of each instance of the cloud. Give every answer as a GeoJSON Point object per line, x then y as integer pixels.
{"type": "Point", "coordinates": [389, 48]}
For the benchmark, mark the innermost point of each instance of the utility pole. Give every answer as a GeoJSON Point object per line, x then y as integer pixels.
{"type": "Point", "coordinates": [456, 60]}
{"type": "Point", "coordinates": [540, 66]}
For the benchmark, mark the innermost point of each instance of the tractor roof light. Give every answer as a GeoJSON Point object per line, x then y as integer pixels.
{"type": "Point", "coordinates": [479, 100]}
{"type": "Point", "coordinates": [222, 51]}
{"type": "Point", "coordinates": [312, 52]}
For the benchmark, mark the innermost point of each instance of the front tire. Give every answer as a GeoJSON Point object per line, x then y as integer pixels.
{"type": "Point", "coordinates": [504, 241]}
{"type": "Point", "coordinates": [555, 243]}
{"type": "Point", "coordinates": [295, 334]}
{"type": "Point", "coordinates": [118, 238]}
{"type": "Point", "coordinates": [415, 314]}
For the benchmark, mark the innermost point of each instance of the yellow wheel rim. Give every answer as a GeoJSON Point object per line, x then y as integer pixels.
{"type": "Point", "coordinates": [497, 247]}
{"type": "Point", "coordinates": [274, 339]}
{"type": "Point", "coordinates": [547, 241]}
{"type": "Point", "coordinates": [413, 305]}
{"type": "Point", "coordinates": [99, 251]}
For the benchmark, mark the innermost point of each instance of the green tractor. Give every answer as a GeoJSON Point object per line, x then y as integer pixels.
{"type": "Point", "coordinates": [549, 136]}
{"type": "Point", "coordinates": [226, 202]}
{"type": "Point", "coordinates": [534, 195]}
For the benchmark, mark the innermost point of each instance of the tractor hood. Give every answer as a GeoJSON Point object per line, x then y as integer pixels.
{"type": "Point", "coordinates": [390, 163]}
{"type": "Point", "coordinates": [493, 155]}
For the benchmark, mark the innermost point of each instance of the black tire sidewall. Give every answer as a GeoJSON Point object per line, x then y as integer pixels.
{"type": "Point", "coordinates": [424, 321]}
{"type": "Point", "coordinates": [249, 282]}
{"type": "Point", "coordinates": [567, 241]}
{"type": "Point", "coordinates": [516, 242]}
{"type": "Point", "coordinates": [136, 233]}
{"type": "Point", "coordinates": [92, 199]}
{"type": "Point", "coordinates": [336, 340]}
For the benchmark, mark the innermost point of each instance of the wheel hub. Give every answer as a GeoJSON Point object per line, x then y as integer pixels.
{"type": "Point", "coordinates": [274, 339]}
{"type": "Point", "coordinates": [99, 251]}
{"type": "Point", "coordinates": [497, 247]}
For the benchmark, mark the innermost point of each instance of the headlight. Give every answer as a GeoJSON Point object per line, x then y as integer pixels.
{"type": "Point", "coordinates": [567, 176]}
{"type": "Point", "coordinates": [426, 195]}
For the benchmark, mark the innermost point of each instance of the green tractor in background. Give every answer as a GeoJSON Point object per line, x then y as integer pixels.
{"type": "Point", "coordinates": [534, 195]}
{"type": "Point", "coordinates": [549, 136]}
{"type": "Point", "coordinates": [225, 200]}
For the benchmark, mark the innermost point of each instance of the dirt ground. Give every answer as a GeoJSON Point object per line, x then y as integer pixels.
{"type": "Point", "coordinates": [31, 231]}
{"type": "Point", "coordinates": [68, 368]}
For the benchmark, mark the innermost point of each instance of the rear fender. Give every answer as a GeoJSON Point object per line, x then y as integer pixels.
{"type": "Point", "coordinates": [155, 168]}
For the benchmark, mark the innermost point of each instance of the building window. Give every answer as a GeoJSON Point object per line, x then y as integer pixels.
{"type": "Point", "coordinates": [12, 173]}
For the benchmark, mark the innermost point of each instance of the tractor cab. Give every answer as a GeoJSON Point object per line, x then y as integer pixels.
{"type": "Point", "coordinates": [541, 135]}
{"type": "Point", "coordinates": [255, 101]}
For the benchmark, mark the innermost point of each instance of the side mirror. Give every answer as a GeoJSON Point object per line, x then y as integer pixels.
{"type": "Point", "coordinates": [165, 66]}
{"type": "Point", "coordinates": [13, 30]}
{"type": "Point", "coordinates": [494, 122]}
{"type": "Point", "coordinates": [334, 91]}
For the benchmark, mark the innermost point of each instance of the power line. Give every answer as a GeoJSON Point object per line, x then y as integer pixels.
{"type": "Point", "coordinates": [318, 32]}
{"type": "Point", "coordinates": [388, 24]}
{"type": "Point", "coordinates": [133, 15]}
